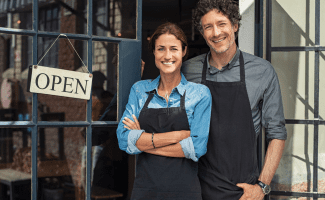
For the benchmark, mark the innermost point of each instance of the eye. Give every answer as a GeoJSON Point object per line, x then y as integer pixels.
{"type": "Point", "coordinates": [160, 49]}
{"type": "Point", "coordinates": [174, 49]}
{"type": "Point", "coordinates": [207, 27]}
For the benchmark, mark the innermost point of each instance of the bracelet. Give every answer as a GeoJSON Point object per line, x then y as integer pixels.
{"type": "Point", "coordinates": [152, 140]}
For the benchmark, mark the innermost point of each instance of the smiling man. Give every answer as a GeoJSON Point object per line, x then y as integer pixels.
{"type": "Point", "coordinates": [246, 96]}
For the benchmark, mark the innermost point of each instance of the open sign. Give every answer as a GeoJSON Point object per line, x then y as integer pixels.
{"type": "Point", "coordinates": [59, 82]}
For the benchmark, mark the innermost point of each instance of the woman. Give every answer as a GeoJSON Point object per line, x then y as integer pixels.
{"type": "Point", "coordinates": [172, 131]}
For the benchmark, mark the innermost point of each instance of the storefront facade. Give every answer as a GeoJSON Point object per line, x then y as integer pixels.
{"type": "Point", "coordinates": [48, 144]}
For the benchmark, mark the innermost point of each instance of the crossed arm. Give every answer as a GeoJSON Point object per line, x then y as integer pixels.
{"type": "Point", "coordinates": [167, 144]}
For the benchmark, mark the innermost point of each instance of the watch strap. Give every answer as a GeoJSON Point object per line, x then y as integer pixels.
{"type": "Point", "coordinates": [265, 188]}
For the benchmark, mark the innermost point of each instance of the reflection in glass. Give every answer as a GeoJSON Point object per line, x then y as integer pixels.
{"type": "Point", "coordinates": [104, 88]}
{"type": "Point", "coordinates": [15, 57]}
{"type": "Point", "coordinates": [51, 58]}
{"type": "Point", "coordinates": [15, 162]}
{"type": "Point", "coordinates": [16, 14]}
{"type": "Point", "coordinates": [62, 56]}
{"type": "Point", "coordinates": [49, 18]}
{"type": "Point", "coordinates": [66, 16]}
{"type": "Point", "coordinates": [109, 164]}
{"type": "Point", "coordinates": [296, 75]}
{"type": "Point", "coordinates": [115, 18]}
{"type": "Point", "coordinates": [295, 171]}
{"type": "Point", "coordinates": [60, 166]}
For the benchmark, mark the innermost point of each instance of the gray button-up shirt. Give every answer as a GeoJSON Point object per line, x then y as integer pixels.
{"type": "Point", "coordinates": [262, 86]}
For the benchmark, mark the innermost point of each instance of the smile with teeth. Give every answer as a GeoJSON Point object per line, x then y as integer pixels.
{"type": "Point", "coordinates": [168, 63]}
{"type": "Point", "coordinates": [218, 40]}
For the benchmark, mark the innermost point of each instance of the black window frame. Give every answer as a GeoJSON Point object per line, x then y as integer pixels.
{"type": "Point", "coordinates": [316, 122]}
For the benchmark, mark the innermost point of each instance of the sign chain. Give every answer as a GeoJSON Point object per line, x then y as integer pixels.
{"type": "Point", "coordinates": [71, 45]}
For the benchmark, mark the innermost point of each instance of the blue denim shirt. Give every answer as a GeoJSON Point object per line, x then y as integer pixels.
{"type": "Point", "coordinates": [198, 110]}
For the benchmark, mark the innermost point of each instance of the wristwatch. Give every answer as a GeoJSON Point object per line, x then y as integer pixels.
{"type": "Point", "coordinates": [266, 188]}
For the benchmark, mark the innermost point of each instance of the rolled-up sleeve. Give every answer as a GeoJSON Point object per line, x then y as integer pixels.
{"type": "Point", "coordinates": [196, 146]}
{"type": "Point", "coordinates": [127, 138]}
{"type": "Point", "coordinates": [272, 110]}
{"type": "Point", "coordinates": [188, 149]}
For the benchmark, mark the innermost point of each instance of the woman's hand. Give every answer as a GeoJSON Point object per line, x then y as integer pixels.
{"type": "Point", "coordinates": [131, 125]}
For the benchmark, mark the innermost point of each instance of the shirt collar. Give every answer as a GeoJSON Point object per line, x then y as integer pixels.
{"type": "Point", "coordinates": [181, 87]}
{"type": "Point", "coordinates": [230, 65]}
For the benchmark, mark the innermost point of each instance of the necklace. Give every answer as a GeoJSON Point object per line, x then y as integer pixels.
{"type": "Point", "coordinates": [166, 96]}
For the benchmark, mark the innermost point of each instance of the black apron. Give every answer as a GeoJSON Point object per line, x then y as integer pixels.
{"type": "Point", "coordinates": [231, 156]}
{"type": "Point", "coordinates": [159, 177]}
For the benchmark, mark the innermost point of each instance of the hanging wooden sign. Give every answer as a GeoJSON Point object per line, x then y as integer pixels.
{"type": "Point", "coordinates": [59, 82]}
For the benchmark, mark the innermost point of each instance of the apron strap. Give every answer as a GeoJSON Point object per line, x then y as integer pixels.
{"type": "Point", "coordinates": [242, 68]}
{"type": "Point", "coordinates": [148, 100]}
{"type": "Point", "coordinates": [183, 101]}
{"type": "Point", "coordinates": [151, 94]}
{"type": "Point", "coordinates": [204, 70]}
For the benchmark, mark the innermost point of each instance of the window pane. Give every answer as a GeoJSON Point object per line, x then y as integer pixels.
{"type": "Point", "coordinates": [116, 18]}
{"type": "Point", "coordinates": [322, 83]}
{"type": "Point", "coordinates": [61, 162]}
{"type": "Point", "coordinates": [296, 75]}
{"type": "Point", "coordinates": [69, 16]}
{"type": "Point", "coordinates": [50, 58]}
{"type": "Point", "coordinates": [295, 171]}
{"type": "Point", "coordinates": [293, 25]}
{"type": "Point", "coordinates": [322, 24]}
{"type": "Point", "coordinates": [62, 56]}
{"type": "Point", "coordinates": [321, 160]}
{"type": "Point", "coordinates": [15, 163]}
{"type": "Point", "coordinates": [48, 18]}
{"type": "Point", "coordinates": [16, 14]}
{"type": "Point", "coordinates": [104, 88]}
{"type": "Point", "coordinates": [15, 57]}
{"type": "Point", "coordinates": [110, 164]}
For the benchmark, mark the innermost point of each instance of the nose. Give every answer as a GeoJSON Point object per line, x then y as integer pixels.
{"type": "Point", "coordinates": [216, 31]}
{"type": "Point", "coordinates": [168, 55]}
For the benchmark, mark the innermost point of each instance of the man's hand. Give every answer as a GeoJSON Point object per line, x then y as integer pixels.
{"type": "Point", "coordinates": [251, 192]}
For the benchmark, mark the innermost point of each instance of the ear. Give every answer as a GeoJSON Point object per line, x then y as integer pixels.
{"type": "Point", "coordinates": [235, 27]}
{"type": "Point", "coordinates": [202, 32]}
{"type": "Point", "coordinates": [184, 52]}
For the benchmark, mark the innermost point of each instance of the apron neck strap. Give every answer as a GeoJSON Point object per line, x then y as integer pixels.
{"type": "Point", "coordinates": [148, 100]}
{"type": "Point", "coordinates": [241, 62]}
{"type": "Point", "coordinates": [183, 101]}
{"type": "Point", "coordinates": [242, 68]}
{"type": "Point", "coordinates": [151, 94]}
{"type": "Point", "coordinates": [204, 70]}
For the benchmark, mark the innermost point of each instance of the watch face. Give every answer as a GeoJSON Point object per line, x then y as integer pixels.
{"type": "Point", "coordinates": [267, 189]}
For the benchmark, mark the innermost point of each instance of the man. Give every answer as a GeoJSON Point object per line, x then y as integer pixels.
{"type": "Point", "coordinates": [245, 96]}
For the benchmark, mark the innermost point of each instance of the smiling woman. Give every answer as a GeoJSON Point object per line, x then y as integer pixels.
{"type": "Point", "coordinates": [169, 45]}
{"type": "Point", "coordinates": [168, 54]}
{"type": "Point", "coordinates": [169, 126]}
